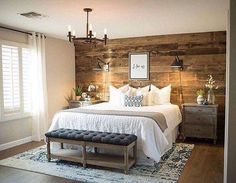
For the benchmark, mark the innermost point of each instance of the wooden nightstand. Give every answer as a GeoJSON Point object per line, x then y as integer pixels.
{"type": "Point", "coordinates": [200, 121]}
{"type": "Point", "coordinates": [77, 103]}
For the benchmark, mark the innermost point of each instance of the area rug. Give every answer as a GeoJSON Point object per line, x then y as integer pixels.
{"type": "Point", "coordinates": [167, 170]}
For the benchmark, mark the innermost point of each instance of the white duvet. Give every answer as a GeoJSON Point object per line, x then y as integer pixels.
{"type": "Point", "coordinates": [151, 140]}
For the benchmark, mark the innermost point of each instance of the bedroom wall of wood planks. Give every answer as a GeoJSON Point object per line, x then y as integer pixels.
{"type": "Point", "coordinates": [202, 53]}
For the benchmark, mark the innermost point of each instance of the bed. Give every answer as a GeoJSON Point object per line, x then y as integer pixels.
{"type": "Point", "coordinates": [152, 141]}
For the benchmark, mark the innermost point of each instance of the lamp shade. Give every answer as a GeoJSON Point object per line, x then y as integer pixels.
{"type": "Point", "coordinates": [177, 63]}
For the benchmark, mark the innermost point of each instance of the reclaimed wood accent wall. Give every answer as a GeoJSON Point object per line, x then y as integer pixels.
{"type": "Point", "coordinates": [202, 54]}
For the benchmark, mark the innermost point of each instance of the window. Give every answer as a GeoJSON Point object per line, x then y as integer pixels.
{"type": "Point", "coordinates": [15, 81]}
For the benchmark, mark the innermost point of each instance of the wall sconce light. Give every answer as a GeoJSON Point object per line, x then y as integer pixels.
{"type": "Point", "coordinates": [177, 63]}
{"type": "Point", "coordinates": [101, 66]}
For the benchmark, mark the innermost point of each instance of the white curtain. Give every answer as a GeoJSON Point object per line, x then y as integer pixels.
{"type": "Point", "coordinates": [39, 87]}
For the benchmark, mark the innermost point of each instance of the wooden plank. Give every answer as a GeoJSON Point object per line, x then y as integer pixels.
{"type": "Point", "coordinates": [202, 53]}
{"type": "Point", "coordinates": [126, 159]}
{"type": "Point", "coordinates": [105, 160]}
{"type": "Point", "coordinates": [67, 141]}
{"type": "Point", "coordinates": [100, 145]}
{"type": "Point", "coordinates": [48, 150]}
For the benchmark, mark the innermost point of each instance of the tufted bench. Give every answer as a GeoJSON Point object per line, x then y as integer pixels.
{"type": "Point", "coordinates": [96, 140]}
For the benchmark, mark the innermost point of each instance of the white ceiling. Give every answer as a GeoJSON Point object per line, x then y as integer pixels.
{"type": "Point", "coordinates": [122, 18]}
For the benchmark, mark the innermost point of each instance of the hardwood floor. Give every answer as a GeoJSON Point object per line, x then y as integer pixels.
{"type": "Point", "coordinates": [204, 166]}
{"type": "Point", "coordinates": [12, 175]}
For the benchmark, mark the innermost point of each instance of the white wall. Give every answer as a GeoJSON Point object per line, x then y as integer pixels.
{"type": "Point", "coordinates": [230, 129]}
{"type": "Point", "coordinates": [13, 36]}
{"type": "Point", "coordinates": [15, 130]}
{"type": "Point", "coordinates": [60, 70]}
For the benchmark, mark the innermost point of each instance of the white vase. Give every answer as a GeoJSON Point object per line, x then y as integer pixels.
{"type": "Point", "coordinates": [211, 97]}
{"type": "Point", "coordinates": [200, 99]}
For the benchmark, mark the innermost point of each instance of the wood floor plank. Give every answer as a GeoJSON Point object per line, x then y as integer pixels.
{"type": "Point", "coordinates": [19, 149]}
{"type": "Point", "coordinates": [204, 166]}
{"type": "Point", "coordinates": [12, 175]}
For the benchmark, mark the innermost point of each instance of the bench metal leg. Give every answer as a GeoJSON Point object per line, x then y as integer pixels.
{"type": "Point", "coordinates": [48, 150]}
{"type": "Point", "coordinates": [96, 150]}
{"type": "Point", "coordinates": [62, 146]}
{"type": "Point", "coordinates": [126, 159]}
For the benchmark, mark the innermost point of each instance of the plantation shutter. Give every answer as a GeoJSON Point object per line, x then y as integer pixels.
{"type": "Point", "coordinates": [11, 79]}
{"type": "Point", "coordinates": [15, 81]}
{"type": "Point", "coordinates": [26, 78]}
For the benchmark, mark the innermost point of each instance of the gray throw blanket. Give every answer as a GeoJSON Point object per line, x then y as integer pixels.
{"type": "Point", "coordinates": [158, 117]}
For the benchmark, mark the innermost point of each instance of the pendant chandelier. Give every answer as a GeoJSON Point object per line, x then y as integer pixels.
{"type": "Point", "coordinates": [90, 35]}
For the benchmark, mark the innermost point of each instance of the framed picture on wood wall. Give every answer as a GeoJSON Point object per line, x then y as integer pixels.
{"type": "Point", "coordinates": [139, 66]}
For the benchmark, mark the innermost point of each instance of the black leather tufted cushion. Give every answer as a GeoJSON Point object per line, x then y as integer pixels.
{"type": "Point", "coordinates": [93, 136]}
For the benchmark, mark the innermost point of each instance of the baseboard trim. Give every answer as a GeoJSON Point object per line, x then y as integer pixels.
{"type": "Point", "coordinates": [15, 143]}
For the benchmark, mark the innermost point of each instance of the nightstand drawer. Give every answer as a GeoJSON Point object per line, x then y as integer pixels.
{"type": "Point", "coordinates": [206, 110]}
{"type": "Point", "coordinates": [206, 131]}
{"type": "Point", "coordinates": [203, 119]}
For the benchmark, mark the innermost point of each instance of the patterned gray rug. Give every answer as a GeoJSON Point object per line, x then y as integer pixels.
{"type": "Point", "coordinates": [167, 170]}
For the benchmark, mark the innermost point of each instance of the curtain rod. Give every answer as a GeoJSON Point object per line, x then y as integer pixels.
{"type": "Point", "coordinates": [15, 30]}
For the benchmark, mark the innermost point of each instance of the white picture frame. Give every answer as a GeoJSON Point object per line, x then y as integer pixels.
{"type": "Point", "coordinates": [139, 66]}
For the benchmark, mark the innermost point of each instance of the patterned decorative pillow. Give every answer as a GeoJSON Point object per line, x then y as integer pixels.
{"type": "Point", "coordinates": [133, 101]}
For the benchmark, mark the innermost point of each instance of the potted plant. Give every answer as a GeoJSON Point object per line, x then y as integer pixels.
{"type": "Point", "coordinates": [78, 92]}
{"type": "Point", "coordinates": [69, 97]}
{"type": "Point", "coordinates": [200, 96]}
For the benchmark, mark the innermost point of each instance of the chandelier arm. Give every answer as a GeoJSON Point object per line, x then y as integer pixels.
{"type": "Point", "coordinates": [97, 39]}
{"type": "Point", "coordinates": [87, 38]}
{"type": "Point", "coordinates": [81, 38]}
{"type": "Point", "coordinates": [69, 36]}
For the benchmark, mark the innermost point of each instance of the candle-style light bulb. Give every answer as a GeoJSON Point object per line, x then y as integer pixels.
{"type": "Point", "coordinates": [105, 31]}
{"type": "Point", "coordinates": [90, 27]}
{"type": "Point", "coordinates": [69, 28]}
{"type": "Point", "coordinates": [73, 33]}
{"type": "Point", "coordinates": [94, 34]}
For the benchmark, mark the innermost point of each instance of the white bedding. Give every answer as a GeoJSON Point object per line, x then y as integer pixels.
{"type": "Point", "coordinates": [151, 140]}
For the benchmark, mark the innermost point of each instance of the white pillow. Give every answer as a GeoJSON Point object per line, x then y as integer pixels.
{"type": "Point", "coordinates": [117, 96]}
{"type": "Point", "coordinates": [144, 92]}
{"type": "Point", "coordinates": [160, 96]}
{"type": "Point", "coordinates": [146, 95]}
{"type": "Point", "coordinates": [136, 91]}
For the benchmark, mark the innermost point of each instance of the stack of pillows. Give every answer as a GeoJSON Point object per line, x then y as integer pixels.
{"type": "Point", "coordinates": [147, 96]}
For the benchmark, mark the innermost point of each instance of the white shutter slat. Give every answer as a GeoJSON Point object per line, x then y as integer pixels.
{"type": "Point", "coordinates": [11, 86]}
{"type": "Point", "coordinates": [26, 67]}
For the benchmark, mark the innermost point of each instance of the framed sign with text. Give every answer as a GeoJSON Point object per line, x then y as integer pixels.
{"type": "Point", "coordinates": [139, 66]}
